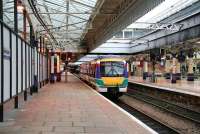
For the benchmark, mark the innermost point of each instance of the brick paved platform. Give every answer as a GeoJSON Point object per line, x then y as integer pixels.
{"type": "Point", "coordinates": [70, 108]}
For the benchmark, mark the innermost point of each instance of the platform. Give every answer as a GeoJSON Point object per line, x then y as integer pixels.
{"type": "Point", "coordinates": [182, 86]}
{"type": "Point", "coordinates": [71, 108]}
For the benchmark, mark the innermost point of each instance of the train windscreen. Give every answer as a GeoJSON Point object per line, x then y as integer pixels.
{"type": "Point", "coordinates": [112, 69]}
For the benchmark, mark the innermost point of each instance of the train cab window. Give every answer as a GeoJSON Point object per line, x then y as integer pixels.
{"type": "Point", "coordinates": [112, 69]}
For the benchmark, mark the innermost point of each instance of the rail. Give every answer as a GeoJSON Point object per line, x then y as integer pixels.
{"type": "Point", "coordinates": [183, 112]}
{"type": "Point", "coordinates": [156, 125]}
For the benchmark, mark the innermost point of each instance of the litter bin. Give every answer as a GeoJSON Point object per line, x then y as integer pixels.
{"type": "Point", "coordinates": [35, 84]}
{"type": "Point", "coordinates": [52, 78]}
{"type": "Point", "coordinates": [58, 77]}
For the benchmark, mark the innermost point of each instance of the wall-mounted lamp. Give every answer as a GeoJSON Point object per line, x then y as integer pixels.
{"type": "Point", "coordinates": [45, 38]}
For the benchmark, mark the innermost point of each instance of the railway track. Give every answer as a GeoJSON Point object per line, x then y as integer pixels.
{"type": "Point", "coordinates": [166, 105]}
{"type": "Point", "coordinates": [146, 119]}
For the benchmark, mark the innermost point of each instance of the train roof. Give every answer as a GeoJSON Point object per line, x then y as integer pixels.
{"type": "Point", "coordinates": [111, 59]}
{"type": "Point", "coordinates": [104, 60]}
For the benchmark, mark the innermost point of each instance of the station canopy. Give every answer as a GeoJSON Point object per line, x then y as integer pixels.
{"type": "Point", "coordinates": [123, 40]}
{"type": "Point", "coordinates": [66, 20]}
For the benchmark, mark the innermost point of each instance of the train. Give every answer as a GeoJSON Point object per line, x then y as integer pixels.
{"type": "Point", "coordinates": [108, 76]}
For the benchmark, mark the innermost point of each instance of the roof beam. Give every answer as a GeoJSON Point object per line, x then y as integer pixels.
{"type": "Point", "coordinates": [64, 25]}
{"type": "Point", "coordinates": [64, 13]}
{"type": "Point", "coordinates": [80, 3]}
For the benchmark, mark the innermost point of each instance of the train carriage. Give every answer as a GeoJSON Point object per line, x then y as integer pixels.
{"type": "Point", "coordinates": [107, 75]}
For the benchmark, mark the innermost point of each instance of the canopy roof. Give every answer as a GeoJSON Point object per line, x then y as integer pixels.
{"type": "Point", "coordinates": [66, 19]}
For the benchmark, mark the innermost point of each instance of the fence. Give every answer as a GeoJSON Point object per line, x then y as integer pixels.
{"type": "Point", "coordinates": [20, 65]}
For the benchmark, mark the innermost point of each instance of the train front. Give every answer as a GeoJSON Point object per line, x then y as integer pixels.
{"type": "Point", "coordinates": [112, 77]}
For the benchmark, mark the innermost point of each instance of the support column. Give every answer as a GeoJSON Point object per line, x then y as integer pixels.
{"type": "Point", "coordinates": [30, 53]}
{"type": "Point", "coordinates": [129, 69]}
{"type": "Point", "coordinates": [154, 69]}
{"type": "Point", "coordinates": [24, 31]}
{"type": "Point", "coordinates": [58, 73]}
{"type": "Point", "coordinates": [24, 35]}
{"type": "Point", "coordinates": [66, 69]}
{"type": "Point", "coordinates": [178, 71]}
{"type": "Point", "coordinates": [190, 75]}
{"type": "Point", "coordinates": [2, 66]}
{"type": "Point", "coordinates": [1, 9]}
{"type": "Point", "coordinates": [47, 65]}
{"type": "Point", "coordinates": [16, 30]}
{"type": "Point", "coordinates": [52, 79]}
{"type": "Point", "coordinates": [145, 70]}
{"type": "Point", "coordinates": [25, 91]}
{"type": "Point", "coordinates": [24, 24]}
{"type": "Point", "coordinates": [167, 67]}
{"type": "Point", "coordinates": [174, 60]}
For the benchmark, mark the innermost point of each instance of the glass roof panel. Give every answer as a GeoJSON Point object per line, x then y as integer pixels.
{"type": "Point", "coordinates": [162, 11]}
{"type": "Point", "coordinates": [66, 19]}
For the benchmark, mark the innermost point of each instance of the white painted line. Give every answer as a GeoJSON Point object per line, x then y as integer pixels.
{"type": "Point", "coordinates": [123, 111]}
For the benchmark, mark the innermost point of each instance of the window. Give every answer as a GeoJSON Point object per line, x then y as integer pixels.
{"type": "Point", "coordinates": [119, 34]}
{"type": "Point", "coordinates": [112, 69]}
{"type": "Point", "coordinates": [128, 34]}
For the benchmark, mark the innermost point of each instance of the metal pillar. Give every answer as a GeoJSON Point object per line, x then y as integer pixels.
{"type": "Point", "coordinates": [178, 71]}
{"type": "Point", "coordinates": [22, 66]}
{"type": "Point", "coordinates": [174, 60]}
{"type": "Point", "coordinates": [42, 61]}
{"type": "Point", "coordinates": [47, 64]}
{"type": "Point", "coordinates": [52, 72]}
{"type": "Point", "coordinates": [11, 57]}
{"type": "Point", "coordinates": [30, 53]}
{"type": "Point", "coordinates": [2, 64]}
{"type": "Point", "coordinates": [190, 75]}
{"type": "Point", "coordinates": [145, 70]}
{"type": "Point", "coordinates": [1, 10]}
{"type": "Point", "coordinates": [29, 70]}
{"type": "Point", "coordinates": [25, 91]}
{"type": "Point", "coordinates": [167, 67]}
{"type": "Point", "coordinates": [16, 30]}
{"type": "Point", "coordinates": [154, 69]}
{"type": "Point", "coordinates": [24, 24]}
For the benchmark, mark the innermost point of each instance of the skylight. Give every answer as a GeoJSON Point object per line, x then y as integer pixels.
{"type": "Point", "coordinates": [162, 11]}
